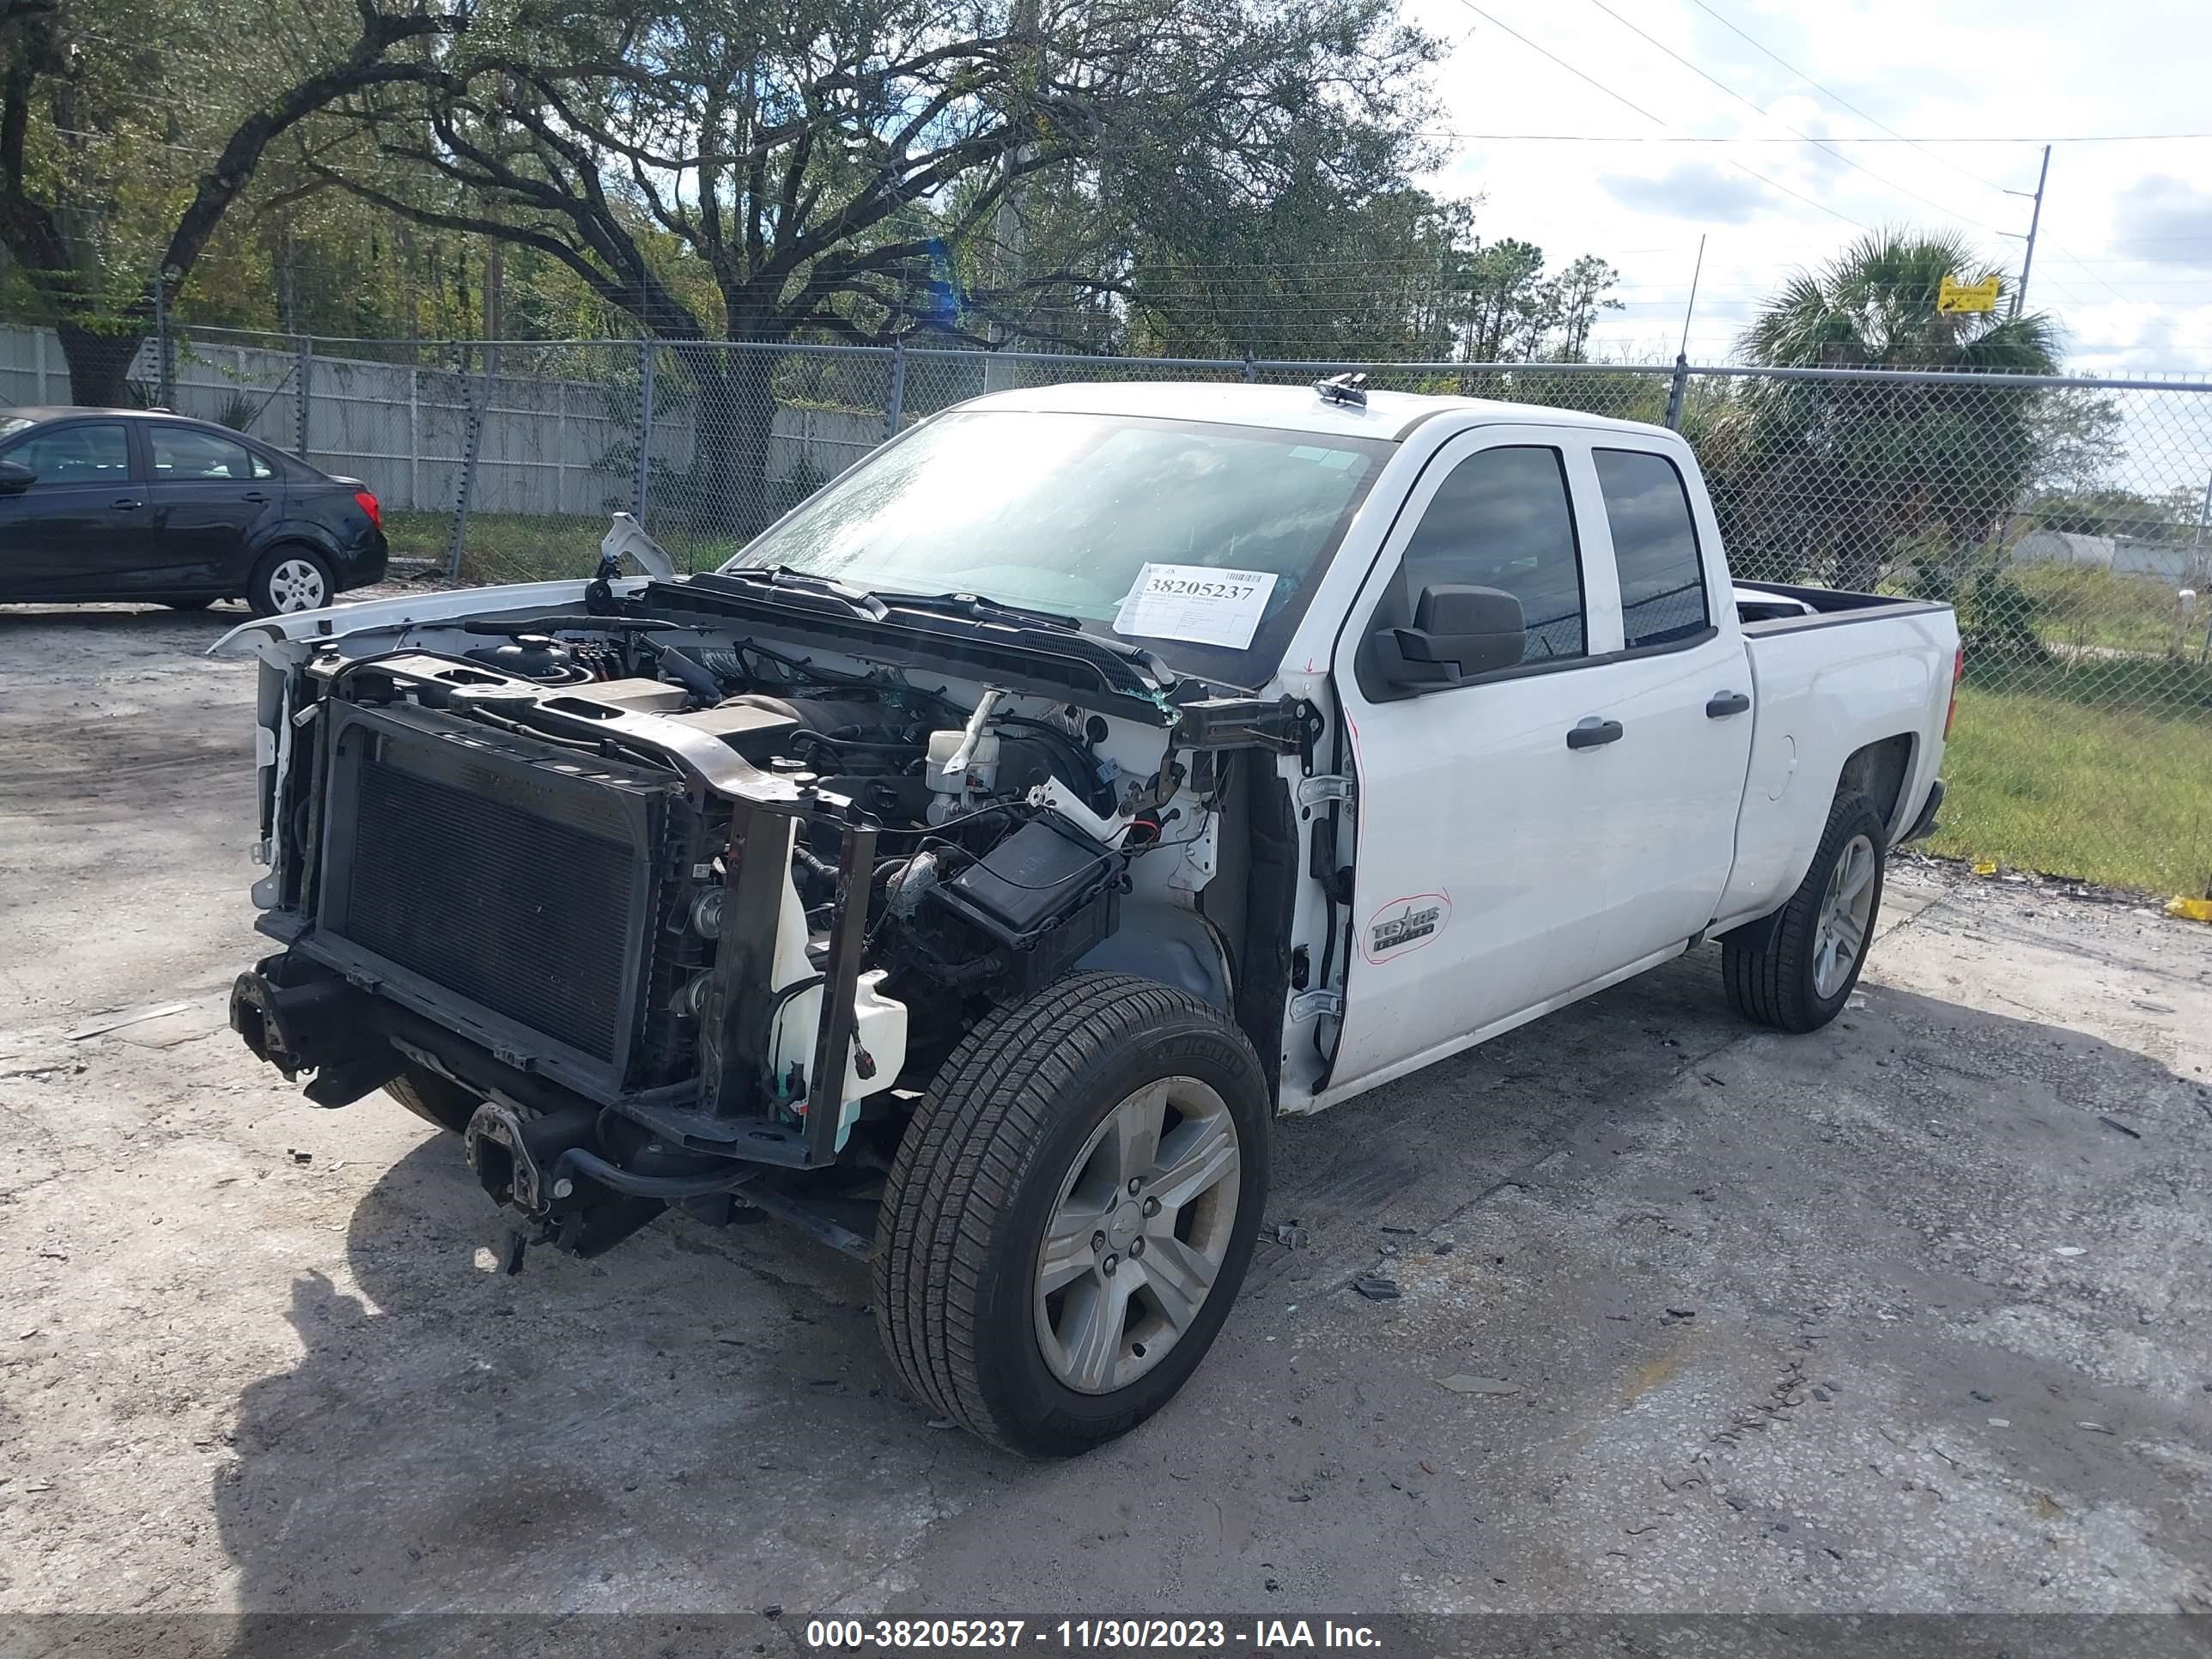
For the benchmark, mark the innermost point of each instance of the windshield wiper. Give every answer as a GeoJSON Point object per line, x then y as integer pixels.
{"type": "Point", "coordinates": [857, 601]}
{"type": "Point", "coordinates": [975, 607]}
{"type": "Point", "coordinates": [1036, 635]}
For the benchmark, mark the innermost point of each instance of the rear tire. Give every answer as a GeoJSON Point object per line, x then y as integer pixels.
{"type": "Point", "coordinates": [992, 1295]}
{"type": "Point", "coordinates": [291, 578]}
{"type": "Point", "coordinates": [435, 1099]}
{"type": "Point", "coordinates": [1803, 974]}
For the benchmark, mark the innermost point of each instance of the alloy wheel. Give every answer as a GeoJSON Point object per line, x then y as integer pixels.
{"type": "Point", "coordinates": [1137, 1236]}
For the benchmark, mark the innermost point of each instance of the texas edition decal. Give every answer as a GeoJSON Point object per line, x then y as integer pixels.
{"type": "Point", "coordinates": [1406, 924]}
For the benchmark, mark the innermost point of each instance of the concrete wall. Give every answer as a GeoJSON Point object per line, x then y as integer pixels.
{"type": "Point", "coordinates": [553, 443]}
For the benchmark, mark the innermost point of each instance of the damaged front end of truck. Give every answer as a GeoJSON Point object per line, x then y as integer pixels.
{"type": "Point", "coordinates": [675, 892]}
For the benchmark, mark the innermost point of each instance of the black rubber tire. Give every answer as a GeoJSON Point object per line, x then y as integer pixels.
{"type": "Point", "coordinates": [257, 598]}
{"type": "Point", "coordinates": [435, 1099]}
{"type": "Point", "coordinates": [188, 604]}
{"type": "Point", "coordinates": [1772, 984]}
{"type": "Point", "coordinates": [978, 1172]}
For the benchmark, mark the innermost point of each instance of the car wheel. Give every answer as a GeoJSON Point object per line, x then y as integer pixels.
{"type": "Point", "coordinates": [1799, 978]}
{"type": "Point", "coordinates": [434, 1098]}
{"type": "Point", "coordinates": [290, 579]}
{"type": "Point", "coordinates": [188, 604]}
{"type": "Point", "coordinates": [1071, 1211]}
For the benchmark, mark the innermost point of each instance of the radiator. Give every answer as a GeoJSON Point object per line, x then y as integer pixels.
{"type": "Point", "coordinates": [519, 887]}
{"type": "Point", "coordinates": [518, 912]}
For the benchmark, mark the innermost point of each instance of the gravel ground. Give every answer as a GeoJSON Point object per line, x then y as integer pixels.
{"type": "Point", "coordinates": [1911, 1315]}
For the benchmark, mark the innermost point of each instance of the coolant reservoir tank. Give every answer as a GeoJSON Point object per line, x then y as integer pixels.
{"type": "Point", "coordinates": [880, 1028]}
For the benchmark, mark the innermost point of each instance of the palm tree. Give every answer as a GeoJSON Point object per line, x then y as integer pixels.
{"type": "Point", "coordinates": [1874, 307]}
{"type": "Point", "coordinates": [1857, 482]}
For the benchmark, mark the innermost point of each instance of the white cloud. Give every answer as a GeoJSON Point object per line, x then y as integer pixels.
{"type": "Point", "coordinates": [2125, 258]}
{"type": "Point", "coordinates": [1695, 191]}
{"type": "Point", "coordinates": [2168, 221]}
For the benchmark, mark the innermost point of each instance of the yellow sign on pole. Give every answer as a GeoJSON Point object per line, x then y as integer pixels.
{"type": "Point", "coordinates": [1953, 296]}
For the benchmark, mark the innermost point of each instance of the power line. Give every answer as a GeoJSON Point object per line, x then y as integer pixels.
{"type": "Point", "coordinates": [1562, 62]}
{"type": "Point", "coordinates": [1835, 97]}
{"type": "Point", "coordinates": [1760, 111]}
{"type": "Point", "coordinates": [1648, 115]}
{"type": "Point", "coordinates": [2093, 277]}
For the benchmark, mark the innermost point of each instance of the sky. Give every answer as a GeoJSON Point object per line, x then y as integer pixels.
{"type": "Point", "coordinates": [2124, 260]}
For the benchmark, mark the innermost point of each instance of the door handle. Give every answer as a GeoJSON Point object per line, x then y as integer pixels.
{"type": "Point", "coordinates": [128, 503]}
{"type": "Point", "coordinates": [1726, 703]}
{"type": "Point", "coordinates": [254, 496]}
{"type": "Point", "coordinates": [1593, 732]}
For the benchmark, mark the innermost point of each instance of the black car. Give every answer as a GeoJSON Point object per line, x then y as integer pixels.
{"type": "Point", "coordinates": [138, 504]}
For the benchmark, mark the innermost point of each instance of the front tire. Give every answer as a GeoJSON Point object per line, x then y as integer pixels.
{"type": "Point", "coordinates": [1802, 975]}
{"type": "Point", "coordinates": [289, 579]}
{"type": "Point", "coordinates": [1072, 1210]}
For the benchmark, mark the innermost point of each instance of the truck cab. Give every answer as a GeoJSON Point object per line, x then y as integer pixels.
{"type": "Point", "coordinates": [971, 870]}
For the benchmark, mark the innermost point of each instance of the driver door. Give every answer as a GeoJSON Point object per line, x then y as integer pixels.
{"type": "Point", "coordinates": [1483, 839]}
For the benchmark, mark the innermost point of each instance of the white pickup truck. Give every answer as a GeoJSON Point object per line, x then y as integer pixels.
{"type": "Point", "coordinates": [970, 870]}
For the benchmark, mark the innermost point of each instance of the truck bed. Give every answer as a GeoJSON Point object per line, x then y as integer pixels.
{"type": "Point", "coordinates": [1780, 607]}
{"type": "Point", "coordinates": [1832, 673]}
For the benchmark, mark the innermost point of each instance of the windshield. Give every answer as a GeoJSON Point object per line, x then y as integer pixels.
{"type": "Point", "coordinates": [1202, 542]}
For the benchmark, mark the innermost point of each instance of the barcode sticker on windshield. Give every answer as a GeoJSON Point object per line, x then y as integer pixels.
{"type": "Point", "coordinates": [1200, 603]}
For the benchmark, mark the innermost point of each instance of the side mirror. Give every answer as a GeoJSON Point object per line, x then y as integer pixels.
{"type": "Point", "coordinates": [15, 477]}
{"type": "Point", "coordinates": [1458, 632]}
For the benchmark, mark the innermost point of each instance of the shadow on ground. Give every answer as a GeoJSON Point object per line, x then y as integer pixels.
{"type": "Point", "coordinates": [701, 1422]}
{"type": "Point", "coordinates": [124, 620]}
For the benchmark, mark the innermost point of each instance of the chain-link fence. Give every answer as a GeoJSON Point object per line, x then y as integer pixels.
{"type": "Point", "coordinates": [2065, 518]}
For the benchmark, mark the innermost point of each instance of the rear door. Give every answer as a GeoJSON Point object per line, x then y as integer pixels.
{"type": "Point", "coordinates": [1682, 692]}
{"type": "Point", "coordinates": [210, 496]}
{"type": "Point", "coordinates": [82, 528]}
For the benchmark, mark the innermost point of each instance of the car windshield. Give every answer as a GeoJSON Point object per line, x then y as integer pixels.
{"type": "Point", "coordinates": [1200, 541]}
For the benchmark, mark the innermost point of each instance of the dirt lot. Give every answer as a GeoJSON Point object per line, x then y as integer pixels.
{"type": "Point", "coordinates": [1914, 1313]}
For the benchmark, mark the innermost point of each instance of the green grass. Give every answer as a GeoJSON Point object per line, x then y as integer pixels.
{"type": "Point", "coordinates": [2039, 781]}
{"type": "Point", "coordinates": [513, 547]}
{"type": "Point", "coordinates": [2082, 608]}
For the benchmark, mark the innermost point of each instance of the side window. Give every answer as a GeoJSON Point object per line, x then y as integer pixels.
{"type": "Point", "coordinates": [1655, 546]}
{"type": "Point", "coordinates": [1501, 519]}
{"type": "Point", "coordinates": [98, 453]}
{"type": "Point", "coordinates": [181, 453]}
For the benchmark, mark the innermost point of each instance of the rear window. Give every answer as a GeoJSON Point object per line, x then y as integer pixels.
{"type": "Point", "coordinates": [1655, 547]}
{"type": "Point", "coordinates": [180, 454]}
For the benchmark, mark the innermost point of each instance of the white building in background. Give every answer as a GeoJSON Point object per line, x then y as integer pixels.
{"type": "Point", "coordinates": [2122, 554]}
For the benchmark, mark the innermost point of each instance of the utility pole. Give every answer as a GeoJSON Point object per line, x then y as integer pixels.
{"type": "Point", "coordinates": [1681, 382]}
{"type": "Point", "coordinates": [1696, 272]}
{"type": "Point", "coordinates": [998, 373]}
{"type": "Point", "coordinates": [2034, 223]}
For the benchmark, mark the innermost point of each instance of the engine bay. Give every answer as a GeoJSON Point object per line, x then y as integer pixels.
{"type": "Point", "coordinates": [1001, 817]}
{"type": "Point", "coordinates": [952, 844]}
